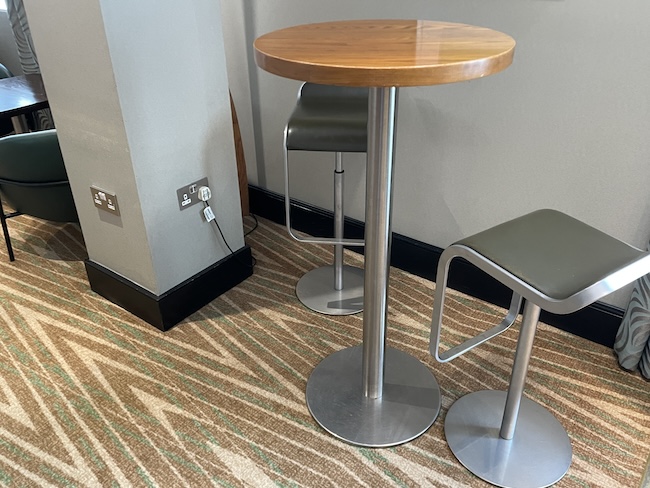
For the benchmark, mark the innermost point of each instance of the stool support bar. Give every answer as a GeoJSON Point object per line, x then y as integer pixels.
{"type": "Point", "coordinates": [339, 220]}
{"type": "Point", "coordinates": [519, 370]}
{"type": "Point", "coordinates": [382, 112]}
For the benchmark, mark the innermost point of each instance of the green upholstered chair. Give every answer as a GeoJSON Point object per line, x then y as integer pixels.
{"type": "Point", "coordinates": [4, 72]}
{"type": "Point", "coordinates": [33, 180]}
{"type": "Point", "coordinates": [552, 262]}
{"type": "Point", "coordinates": [331, 119]}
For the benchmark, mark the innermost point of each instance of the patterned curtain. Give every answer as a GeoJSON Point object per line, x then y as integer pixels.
{"type": "Point", "coordinates": [632, 343]}
{"type": "Point", "coordinates": [28, 61]}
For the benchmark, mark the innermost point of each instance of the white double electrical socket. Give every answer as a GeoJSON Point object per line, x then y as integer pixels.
{"type": "Point", "coordinates": [105, 200]}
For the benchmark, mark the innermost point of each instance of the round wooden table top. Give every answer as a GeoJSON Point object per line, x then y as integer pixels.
{"type": "Point", "coordinates": [383, 53]}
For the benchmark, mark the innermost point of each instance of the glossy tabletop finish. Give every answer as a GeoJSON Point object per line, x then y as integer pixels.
{"type": "Point", "coordinates": [21, 94]}
{"type": "Point", "coordinates": [384, 52]}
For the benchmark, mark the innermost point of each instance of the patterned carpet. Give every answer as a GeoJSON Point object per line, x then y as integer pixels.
{"type": "Point", "coordinates": [92, 396]}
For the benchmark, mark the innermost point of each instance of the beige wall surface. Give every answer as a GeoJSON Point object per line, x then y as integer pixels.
{"type": "Point", "coordinates": [565, 127]}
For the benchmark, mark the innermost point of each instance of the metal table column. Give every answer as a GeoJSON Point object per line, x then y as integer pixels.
{"type": "Point", "coordinates": [371, 395]}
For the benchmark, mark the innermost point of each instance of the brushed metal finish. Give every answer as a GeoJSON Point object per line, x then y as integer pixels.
{"type": "Point", "coordinates": [382, 113]}
{"type": "Point", "coordinates": [519, 370]}
{"type": "Point", "coordinates": [287, 211]}
{"type": "Point", "coordinates": [409, 406]}
{"type": "Point", "coordinates": [316, 291]}
{"type": "Point", "coordinates": [339, 219]}
{"type": "Point", "coordinates": [442, 275]}
{"type": "Point", "coordinates": [538, 455]}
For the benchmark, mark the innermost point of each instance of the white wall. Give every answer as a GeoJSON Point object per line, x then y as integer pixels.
{"type": "Point", "coordinates": [566, 126]}
{"type": "Point", "coordinates": [139, 95]}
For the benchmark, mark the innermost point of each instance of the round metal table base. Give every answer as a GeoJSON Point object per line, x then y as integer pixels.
{"type": "Point", "coordinates": [409, 405]}
{"type": "Point", "coordinates": [316, 291]}
{"type": "Point", "coordinates": [538, 455]}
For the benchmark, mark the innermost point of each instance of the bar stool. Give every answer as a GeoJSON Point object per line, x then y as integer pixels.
{"type": "Point", "coordinates": [332, 119]}
{"type": "Point", "coordinates": [553, 262]}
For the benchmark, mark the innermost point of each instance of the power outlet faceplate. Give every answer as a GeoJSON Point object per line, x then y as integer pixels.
{"type": "Point", "coordinates": [105, 200]}
{"type": "Point", "coordinates": [188, 194]}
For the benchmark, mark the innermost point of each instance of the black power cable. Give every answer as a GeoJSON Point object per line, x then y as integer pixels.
{"type": "Point", "coordinates": [204, 194]}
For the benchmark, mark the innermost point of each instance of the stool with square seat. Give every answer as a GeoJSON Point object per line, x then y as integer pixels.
{"type": "Point", "coordinates": [332, 119]}
{"type": "Point", "coordinates": [553, 262]}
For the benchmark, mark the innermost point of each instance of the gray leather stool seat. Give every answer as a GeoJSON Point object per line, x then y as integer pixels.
{"type": "Point", "coordinates": [552, 262]}
{"type": "Point", "coordinates": [330, 119]}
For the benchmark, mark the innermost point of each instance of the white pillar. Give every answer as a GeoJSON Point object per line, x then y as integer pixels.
{"type": "Point", "coordinates": [139, 96]}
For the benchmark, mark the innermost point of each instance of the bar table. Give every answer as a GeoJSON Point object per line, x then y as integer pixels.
{"type": "Point", "coordinates": [373, 395]}
{"type": "Point", "coordinates": [20, 95]}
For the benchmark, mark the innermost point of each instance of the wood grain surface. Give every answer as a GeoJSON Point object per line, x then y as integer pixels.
{"type": "Point", "coordinates": [22, 94]}
{"type": "Point", "coordinates": [384, 52]}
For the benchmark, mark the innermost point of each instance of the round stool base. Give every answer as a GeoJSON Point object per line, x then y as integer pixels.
{"type": "Point", "coordinates": [538, 455]}
{"type": "Point", "coordinates": [316, 291]}
{"type": "Point", "coordinates": [409, 405]}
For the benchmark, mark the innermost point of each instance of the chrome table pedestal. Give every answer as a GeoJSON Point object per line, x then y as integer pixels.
{"type": "Point", "coordinates": [409, 405]}
{"type": "Point", "coordinates": [381, 389]}
{"type": "Point", "coordinates": [367, 395]}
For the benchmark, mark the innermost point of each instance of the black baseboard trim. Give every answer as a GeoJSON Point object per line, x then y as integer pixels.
{"type": "Point", "coordinates": [166, 310]}
{"type": "Point", "coordinates": [598, 322]}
